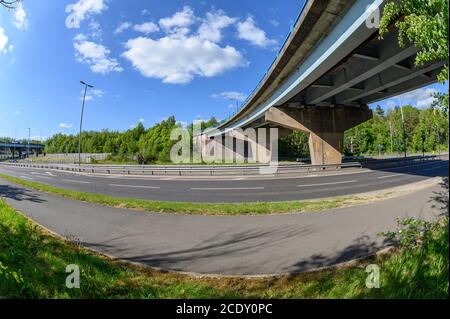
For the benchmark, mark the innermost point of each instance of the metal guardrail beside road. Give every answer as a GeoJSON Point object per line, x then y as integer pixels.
{"type": "Point", "coordinates": [401, 161]}
{"type": "Point", "coordinates": [172, 170]}
{"type": "Point", "coordinates": [222, 170]}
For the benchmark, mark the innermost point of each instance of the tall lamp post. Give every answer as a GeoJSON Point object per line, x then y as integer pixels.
{"type": "Point", "coordinates": [404, 128]}
{"type": "Point", "coordinates": [86, 86]}
{"type": "Point", "coordinates": [29, 137]}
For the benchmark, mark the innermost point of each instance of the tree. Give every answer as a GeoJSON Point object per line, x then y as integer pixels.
{"type": "Point", "coordinates": [379, 111]}
{"type": "Point", "coordinates": [425, 24]}
{"type": "Point", "coordinates": [10, 4]}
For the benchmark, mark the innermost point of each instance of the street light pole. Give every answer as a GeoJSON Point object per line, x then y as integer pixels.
{"type": "Point", "coordinates": [29, 137]}
{"type": "Point", "coordinates": [392, 140]}
{"type": "Point", "coordinates": [404, 128]}
{"type": "Point", "coordinates": [86, 86]}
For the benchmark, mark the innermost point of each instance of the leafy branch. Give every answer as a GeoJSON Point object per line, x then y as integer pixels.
{"type": "Point", "coordinates": [10, 4]}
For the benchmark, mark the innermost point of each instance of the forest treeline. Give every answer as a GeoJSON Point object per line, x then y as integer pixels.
{"type": "Point", "coordinates": [426, 129]}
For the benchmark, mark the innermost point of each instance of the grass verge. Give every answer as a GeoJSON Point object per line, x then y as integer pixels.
{"type": "Point", "coordinates": [33, 264]}
{"type": "Point", "coordinates": [255, 208]}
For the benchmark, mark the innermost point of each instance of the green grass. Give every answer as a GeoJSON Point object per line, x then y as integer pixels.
{"type": "Point", "coordinates": [33, 263]}
{"type": "Point", "coordinates": [256, 208]}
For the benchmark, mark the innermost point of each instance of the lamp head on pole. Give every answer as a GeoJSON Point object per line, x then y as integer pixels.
{"type": "Point", "coordinates": [84, 83]}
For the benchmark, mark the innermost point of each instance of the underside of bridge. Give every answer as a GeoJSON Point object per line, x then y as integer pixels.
{"type": "Point", "coordinates": [336, 99]}
{"type": "Point", "coordinates": [379, 69]}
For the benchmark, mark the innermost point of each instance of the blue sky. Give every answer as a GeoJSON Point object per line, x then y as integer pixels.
{"type": "Point", "coordinates": [147, 60]}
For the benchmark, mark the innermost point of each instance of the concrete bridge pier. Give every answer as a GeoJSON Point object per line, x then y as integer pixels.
{"type": "Point", "coordinates": [326, 126]}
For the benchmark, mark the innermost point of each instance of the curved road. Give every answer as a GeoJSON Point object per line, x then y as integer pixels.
{"type": "Point", "coordinates": [236, 189]}
{"type": "Point", "coordinates": [226, 245]}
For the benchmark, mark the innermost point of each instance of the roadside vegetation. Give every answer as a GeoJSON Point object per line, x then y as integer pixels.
{"type": "Point", "coordinates": [33, 265]}
{"type": "Point", "coordinates": [426, 130]}
{"type": "Point", "coordinates": [247, 208]}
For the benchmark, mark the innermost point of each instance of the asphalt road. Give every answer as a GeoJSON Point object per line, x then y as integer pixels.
{"type": "Point", "coordinates": [235, 189]}
{"type": "Point", "coordinates": [226, 245]}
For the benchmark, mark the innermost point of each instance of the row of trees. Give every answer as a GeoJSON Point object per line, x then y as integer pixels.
{"type": "Point", "coordinates": [150, 145]}
{"type": "Point", "coordinates": [426, 130]}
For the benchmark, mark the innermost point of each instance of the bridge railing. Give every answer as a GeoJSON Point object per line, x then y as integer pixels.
{"type": "Point", "coordinates": [261, 81]}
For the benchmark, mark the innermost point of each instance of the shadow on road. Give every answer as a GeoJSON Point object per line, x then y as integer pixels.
{"type": "Point", "coordinates": [211, 250]}
{"type": "Point", "coordinates": [217, 250]}
{"type": "Point", "coordinates": [440, 199]}
{"type": "Point", "coordinates": [436, 168]}
{"type": "Point", "coordinates": [19, 194]}
{"type": "Point", "coordinates": [362, 247]}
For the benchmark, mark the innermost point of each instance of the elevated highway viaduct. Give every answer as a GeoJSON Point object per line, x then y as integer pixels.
{"type": "Point", "coordinates": [18, 149]}
{"type": "Point", "coordinates": [332, 65]}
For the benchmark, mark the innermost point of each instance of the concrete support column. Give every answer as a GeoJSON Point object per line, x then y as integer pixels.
{"type": "Point", "coordinates": [326, 148]}
{"type": "Point", "coordinates": [326, 126]}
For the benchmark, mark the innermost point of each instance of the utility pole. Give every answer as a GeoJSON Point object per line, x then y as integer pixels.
{"type": "Point", "coordinates": [423, 143]}
{"type": "Point", "coordinates": [404, 128]}
{"type": "Point", "coordinates": [29, 137]}
{"type": "Point", "coordinates": [438, 139]}
{"type": "Point", "coordinates": [86, 86]}
{"type": "Point", "coordinates": [392, 140]}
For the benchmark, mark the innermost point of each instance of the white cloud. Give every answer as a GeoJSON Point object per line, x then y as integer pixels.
{"type": "Point", "coordinates": [179, 59]}
{"type": "Point", "coordinates": [178, 23]}
{"type": "Point", "coordinates": [147, 27]}
{"type": "Point", "coordinates": [80, 37]}
{"type": "Point", "coordinates": [179, 56]}
{"type": "Point", "coordinates": [122, 27]}
{"type": "Point", "coordinates": [96, 31]}
{"type": "Point", "coordinates": [249, 31]}
{"type": "Point", "coordinates": [275, 23]}
{"type": "Point", "coordinates": [144, 12]}
{"type": "Point", "coordinates": [211, 28]}
{"type": "Point", "coordinates": [391, 104]}
{"type": "Point", "coordinates": [91, 94]}
{"type": "Point", "coordinates": [20, 18]}
{"type": "Point", "coordinates": [82, 10]}
{"type": "Point", "coordinates": [421, 98]}
{"type": "Point", "coordinates": [95, 55]}
{"type": "Point", "coordinates": [3, 40]}
{"type": "Point", "coordinates": [141, 120]}
{"type": "Point", "coordinates": [66, 125]}
{"type": "Point", "coordinates": [231, 95]}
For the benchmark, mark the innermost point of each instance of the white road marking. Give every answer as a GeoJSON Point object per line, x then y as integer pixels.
{"type": "Point", "coordinates": [224, 188]}
{"type": "Point", "coordinates": [26, 177]}
{"type": "Point", "coordinates": [389, 176]}
{"type": "Point", "coordinates": [324, 184]}
{"type": "Point", "coordinates": [45, 177]}
{"type": "Point", "coordinates": [40, 175]}
{"type": "Point", "coordinates": [72, 181]}
{"type": "Point", "coordinates": [134, 186]}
